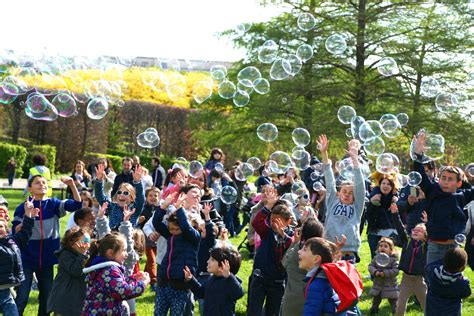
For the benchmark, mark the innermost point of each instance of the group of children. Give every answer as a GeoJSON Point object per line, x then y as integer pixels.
{"type": "Point", "coordinates": [295, 262]}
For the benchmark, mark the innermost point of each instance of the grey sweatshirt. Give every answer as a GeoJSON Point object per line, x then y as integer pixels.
{"type": "Point", "coordinates": [341, 218]}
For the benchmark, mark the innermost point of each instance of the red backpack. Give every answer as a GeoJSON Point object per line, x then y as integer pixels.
{"type": "Point", "coordinates": [346, 282]}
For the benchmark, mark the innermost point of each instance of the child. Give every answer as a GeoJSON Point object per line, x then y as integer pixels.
{"type": "Point", "coordinates": [11, 272]}
{"type": "Point", "coordinates": [125, 195]}
{"type": "Point", "coordinates": [223, 288]}
{"type": "Point", "coordinates": [107, 285]}
{"type": "Point", "coordinates": [69, 286]}
{"type": "Point", "coordinates": [446, 284]}
{"type": "Point", "coordinates": [135, 243]}
{"type": "Point", "coordinates": [87, 201]}
{"type": "Point", "coordinates": [412, 262]}
{"type": "Point", "coordinates": [268, 277]}
{"type": "Point", "coordinates": [385, 277]}
{"type": "Point", "coordinates": [217, 156]}
{"type": "Point", "coordinates": [321, 299]}
{"type": "Point", "coordinates": [183, 243]}
{"type": "Point", "coordinates": [343, 208]}
{"type": "Point", "coordinates": [446, 218]}
{"type": "Point", "coordinates": [152, 198]}
{"type": "Point", "coordinates": [85, 218]}
{"type": "Point", "coordinates": [175, 180]}
{"type": "Point", "coordinates": [38, 257]}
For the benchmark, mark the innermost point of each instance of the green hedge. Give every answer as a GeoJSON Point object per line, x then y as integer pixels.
{"type": "Point", "coordinates": [47, 150]}
{"type": "Point", "coordinates": [94, 157]}
{"type": "Point", "coordinates": [166, 162]}
{"type": "Point", "coordinates": [10, 150]}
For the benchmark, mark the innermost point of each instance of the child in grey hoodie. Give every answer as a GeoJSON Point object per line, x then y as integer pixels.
{"type": "Point", "coordinates": [344, 207]}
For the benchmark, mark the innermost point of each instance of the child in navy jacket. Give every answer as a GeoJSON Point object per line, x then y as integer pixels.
{"type": "Point", "coordinates": [268, 276]}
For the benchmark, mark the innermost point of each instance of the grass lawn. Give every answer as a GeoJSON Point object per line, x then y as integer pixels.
{"type": "Point", "coordinates": [145, 303]}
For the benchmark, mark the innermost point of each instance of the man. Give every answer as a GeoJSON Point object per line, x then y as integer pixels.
{"type": "Point", "coordinates": [125, 176]}
{"type": "Point", "coordinates": [158, 175]}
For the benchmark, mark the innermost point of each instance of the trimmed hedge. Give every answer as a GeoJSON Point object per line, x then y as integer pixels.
{"type": "Point", "coordinates": [10, 150]}
{"type": "Point", "coordinates": [47, 150]}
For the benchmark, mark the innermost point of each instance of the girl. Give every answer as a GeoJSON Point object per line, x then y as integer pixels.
{"type": "Point", "coordinates": [175, 179]}
{"type": "Point", "coordinates": [135, 243]}
{"type": "Point", "coordinates": [379, 217]}
{"type": "Point", "coordinates": [384, 276]}
{"type": "Point", "coordinates": [147, 180]}
{"type": "Point", "coordinates": [87, 202]}
{"type": "Point", "coordinates": [183, 243]}
{"type": "Point", "coordinates": [125, 196]}
{"type": "Point", "coordinates": [69, 287]}
{"type": "Point", "coordinates": [217, 156]}
{"type": "Point", "coordinates": [80, 176]}
{"type": "Point", "coordinates": [412, 262]}
{"type": "Point", "coordinates": [107, 285]}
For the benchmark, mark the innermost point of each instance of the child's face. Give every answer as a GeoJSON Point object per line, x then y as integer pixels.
{"type": "Point", "coordinates": [307, 260]}
{"type": "Point", "coordinates": [88, 222]}
{"type": "Point", "coordinates": [3, 229]}
{"type": "Point", "coordinates": [193, 197]}
{"type": "Point", "coordinates": [39, 186]}
{"type": "Point", "coordinates": [385, 187]}
{"type": "Point", "coordinates": [213, 266]}
{"type": "Point", "coordinates": [385, 248]}
{"type": "Point", "coordinates": [418, 233]}
{"type": "Point", "coordinates": [174, 229]}
{"type": "Point", "coordinates": [120, 255]}
{"type": "Point", "coordinates": [79, 168]}
{"type": "Point", "coordinates": [448, 182]}
{"type": "Point", "coordinates": [152, 198]}
{"type": "Point", "coordinates": [346, 195]}
{"type": "Point", "coordinates": [216, 156]}
{"type": "Point", "coordinates": [123, 197]}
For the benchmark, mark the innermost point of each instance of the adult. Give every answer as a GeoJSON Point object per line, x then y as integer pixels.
{"type": "Point", "coordinates": [136, 161]}
{"type": "Point", "coordinates": [80, 176]}
{"type": "Point", "coordinates": [125, 176]}
{"type": "Point", "coordinates": [158, 174]}
{"type": "Point", "coordinates": [109, 175]}
{"type": "Point", "coordinates": [39, 168]}
{"type": "Point", "coordinates": [10, 169]}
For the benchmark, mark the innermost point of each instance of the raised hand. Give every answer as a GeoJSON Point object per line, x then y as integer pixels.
{"type": "Point", "coordinates": [420, 143]}
{"type": "Point", "coordinates": [29, 204]}
{"type": "Point", "coordinates": [32, 212]}
{"type": "Point", "coordinates": [102, 210]}
{"type": "Point", "coordinates": [154, 236]}
{"type": "Point", "coordinates": [342, 242]}
{"type": "Point", "coordinates": [187, 274]}
{"type": "Point", "coordinates": [353, 152]}
{"type": "Point", "coordinates": [100, 172]}
{"type": "Point", "coordinates": [271, 197]}
{"type": "Point", "coordinates": [82, 247]}
{"type": "Point", "coordinates": [206, 210]}
{"type": "Point", "coordinates": [225, 269]}
{"type": "Point", "coordinates": [169, 199]}
{"type": "Point", "coordinates": [279, 227]}
{"type": "Point", "coordinates": [179, 203]}
{"type": "Point", "coordinates": [127, 213]}
{"type": "Point", "coordinates": [323, 143]}
{"type": "Point", "coordinates": [138, 173]}
{"type": "Point", "coordinates": [67, 181]}
{"type": "Point", "coordinates": [424, 217]}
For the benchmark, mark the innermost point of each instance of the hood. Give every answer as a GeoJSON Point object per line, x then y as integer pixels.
{"type": "Point", "coordinates": [445, 277]}
{"type": "Point", "coordinates": [100, 262]}
{"type": "Point", "coordinates": [41, 169]}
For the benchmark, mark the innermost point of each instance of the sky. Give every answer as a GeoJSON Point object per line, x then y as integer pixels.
{"type": "Point", "coordinates": [150, 28]}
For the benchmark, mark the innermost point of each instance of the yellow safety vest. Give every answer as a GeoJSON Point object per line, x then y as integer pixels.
{"type": "Point", "coordinates": [47, 176]}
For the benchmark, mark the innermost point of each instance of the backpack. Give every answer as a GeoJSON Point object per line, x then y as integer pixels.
{"type": "Point", "coordinates": [346, 282]}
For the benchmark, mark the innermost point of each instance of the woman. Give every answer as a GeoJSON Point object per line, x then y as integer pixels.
{"type": "Point", "coordinates": [80, 176]}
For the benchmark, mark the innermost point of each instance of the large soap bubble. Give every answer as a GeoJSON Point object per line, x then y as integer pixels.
{"type": "Point", "coordinates": [249, 74]}
{"type": "Point", "coordinates": [228, 194]}
{"type": "Point", "coordinates": [382, 259]}
{"type": "Point", "coordinates": [241, 98]}
{"type": "Point", "coordinates": [65, 105]}
{"type": "Point", "coordinates": [301, 159]}
{"type": "Point", "coordinates": [305, 52]}
{"type": "Point", "coordinates": [295, 64]}
{"type": "Point", "coordinates": [414, 178]}
{"type": "Point", "coordinates": [356, 123]}
{"type": "Point", "coordinates": [298, 188]}
{"type": "Point", "coordinates": [446, 102]}
{"type": "Point", "coordinates": [261, 86]}
{"type": "Point", "coordinates": [387, 66]}
{"type": "Point", "coordinates": [218, 72]}
{"type": "Point", "coordinates": [6, 95]}
{"type": "Point", "coordinates": [301, 137]}
{"type": "Point", "coordinates": [345, 114]}
{"type": "Point", "coordinates": [49, 114]}
{"type": "Point", "coordinates": [282, 160]}
{"type": "Point", "coordinates": [391, 128]}
{"type": "Point", "coordinates": [387, 163]}
{"type": "Point", "coordinates": [97, 108]}
{"type": "Point", "coordinates": [254, 162]}
{"type": "Point", "coordinates": [306, 21]}
{"type": "Point", "coordinates": [226, 89]}
{"type": "Point", "coordinates": [149, 138]}
{"type": "Point", "coordinates": [402, 118]}
{"type": "Point", "coordinates": [370, 129]}
{"type": "Point", "coordinates": [243, 171]}
{"type": "Point", "coordinates": [37, 103]}
{"type": "Point", "coordinates": [374, 146]}
{"type": "Point", "coordinates": [202, 90]}
{"type": "Point", "coordinates": [336, 44]}
{"type": "Point", "coordinates": [267, 53]}
{"type": "Point", "coordinates": [281, 69]}
{"type": "Point", "coordinates": [267, 132]}
{"type": "Point", "coordinates": [429, 87]}
{"type": "Point", "coordinates": [195, 169]}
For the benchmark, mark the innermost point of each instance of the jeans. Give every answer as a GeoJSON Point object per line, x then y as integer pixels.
{"type": "Point", "coordinates": [45, 282]}
{"type": "Point", "coordinates": [7, 303]}
{"type": "Point", "coordinates": [436, 251]}
{"type": "Point", "coordinates": [262, 288]}
{"type": "Point", "coordinates": [11, 177]}
{"type": "Point", "coordinates": [373, 243]}
{"type": "Point", "coordinates": [229, 219]}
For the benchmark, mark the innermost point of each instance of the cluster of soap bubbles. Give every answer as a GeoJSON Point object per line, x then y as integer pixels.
{"type": "Point", "coordinates": [445, 102]}
{"type": "Point", "coordinates": [434, 147]}
{"type": "Point", "coordinates": [149, 138]}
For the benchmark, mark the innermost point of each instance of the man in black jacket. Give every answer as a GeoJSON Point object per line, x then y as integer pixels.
{"type": "Point", "coordinates": [125, 176]}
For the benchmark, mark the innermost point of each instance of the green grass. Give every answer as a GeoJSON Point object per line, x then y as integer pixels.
{"type": "Point", "coordinates": [145, 303]}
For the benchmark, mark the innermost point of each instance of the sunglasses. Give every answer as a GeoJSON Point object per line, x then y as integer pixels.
{"type": "Point", "coordinates": [126, 193]}
{"type": "Point", "coordinates": [86, 240]}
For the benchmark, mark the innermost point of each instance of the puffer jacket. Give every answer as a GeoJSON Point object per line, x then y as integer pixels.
{"type": "Point", "coordinates": [108, 287]}
{"type": "Point", "coordinates": [321, 299]}
{"type": "Point", "coordinates": [385, 286]}
{"type": "Point", "coordinates": [11, 269]}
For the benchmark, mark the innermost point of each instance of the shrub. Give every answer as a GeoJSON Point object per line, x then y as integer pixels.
{"type": "Point", "coordinates": [47, 150]}
{"type": "Point", "coordinates": [10, 150]}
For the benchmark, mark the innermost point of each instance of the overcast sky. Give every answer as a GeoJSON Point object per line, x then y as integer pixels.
{"type": "Point", "coordinates": [155, 28]}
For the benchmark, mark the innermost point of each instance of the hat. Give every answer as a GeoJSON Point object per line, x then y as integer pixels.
{"type": "Point", "coordinates": [3, 201]}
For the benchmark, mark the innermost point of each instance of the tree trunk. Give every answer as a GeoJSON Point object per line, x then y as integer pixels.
{"type": "Point", "coordinates": [360, 93]}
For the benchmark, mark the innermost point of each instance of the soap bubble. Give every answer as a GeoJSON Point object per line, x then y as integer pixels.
{"type": "Point", "coordinates": [387, 117]}
{"type": "Point", "coordinates": [241, 98]}
{"type": "Point", "coordinates": [218, 72]}
{"type": "Point", "coordinates": [402, 180]}
{"type": "Point", "coordinates": [414, 178]}
{"type": "Point", "coordinates": [402, 118]}
{"type": "Point", "coordinates": [281, 69]}
{"type": "Point", "coordinates": [245, 86]}
{"type": "Point", "coordinates": [228, 194]}
{"type": "Point", "coordinates": [370, 129]}
{"type": "Point", "coordinates": [446, 102]}
{"type": "Point", "coordinates": [470, 170]}
{"type": "Point", "coordinates": [243, 171]}
{"type": "Point", "coordinates": [387, 163]}
{"type": "Point", "coordinates": [305, 52]}
{"type": "Point", "coordinates": [460, 239]}
{"type": "Point", "coordinates": [356, 122]}
{"type": "Point", "coordinates": [49, 114]}
{"type": "Point", "coordinates": [392, 128]}
{"type": "Point", "coordinates": [254, 162]}
{"type": "Point", "coordinates": [290, 198]}
{"type": "Point", "coordinates": [318, 170]}
{"type": "Point", "coordinates": [301, 159]}
{"type": "Point", "coordinates": [429, 87]}
{"type": "Point", "coordinates": [261, 86]}
{"type": "Point", "coordinates": [5, 90]}
{"type": "Point", "coordinates": [267, 53]}
{"type": "Point", "coordinates": [336, 44]}
{"type": "Point", "coordinates": [348, 132]}
{"type": "Point", "coordinates": [282, 160]}
{"type": "Point", "coordinates": [317, 186]}
{"type": "Point", "coordinates": [301, 137]}
{"type": "Point", "coordinates": [345, 114]}
{"type": "Point", "coordinates": [374, 146]}
{"type": "Point", "coordinates": [65, 104]}
{"type": "Point", "coordinates": [306, 21]}
{"type": "Point", "coordinates": [382, 259]}
{"type": "Point", "coordinates": [267, 132]}
{"type": "Point", "coordinates": [249, 74]}
{"type": "Point", "coordinates": [202, 90]}
{"type": "Point", "coordinates": [298, 188]}
{"type": "Point", "coordinates": [242, 28]}
{"type": "Point", "coordinates": [97, 108]}
{"type": "Point", "coordinates": [295, 64]}
{"type": "Point", "coordinates": [195, 169]}
{"type": "Point", "coordinates": [37, 103]}
{"type": "Point", "coordinates": [226, 89]}
{"type": "Point", "coordinates": [219, 167]}
{"type": "Point", "coordinates": [387, 66]}
{"type": "Point", "coordinates": [434, 147]}
{"type": "Point", "coordinates": [149, 138]}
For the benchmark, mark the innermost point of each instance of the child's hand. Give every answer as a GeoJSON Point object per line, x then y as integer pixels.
{"type": "Point", "coordinates": [154, 236]}
{"type": "Point", "coordinates": [342, 242]}
{"type": "Point", "coordinates": [167, 201]}
{"type": "Point", "coordinates": [141, 219]}
{"type": "Point", "coordinates": [100, 172]}
{"type": "Point", "coordinates": [375, 200]}
{"type": "Point", "coordinates": [225, 269]}
{"type": "Point", "coordinates": [271, 198]}
{"type": "Point", "coordinates": [206, 210]}
{"type": "Point", "coordinates": [102, 210]}
{"type": "Point", "coordinates": [127, 213]}
{"type": "Point", "coordinates": [424, 217]}
{"type": "Point", "coordinates": [180, 179]}
{"type": "Point", "coordinates": [381, 274]}
{"type": "Point", "coordinates": [187, 274]}
{"type": "Point", "coordinates": [323, 143]}
{"type": "Point", "coordinates": [81, 247]}
{"type": "Point", "coordinates": [420, 143]}
{"type": "Point", "coordinates": [143, 276]}
{"type": "Point", "coordinates": [28, 204]}
{"type": "Point", "coordinates": [67, 181]}
{"type": "Point", "coordinates": [279, 227]}
{"type": "Point", "coordinates": [32, 212]}
{"type": "Point", "coordinates": [179, 203]}
{"type": "Point", "coordinates": [393, 208]}
{"type": "Point", "coordinates": [138, 173]}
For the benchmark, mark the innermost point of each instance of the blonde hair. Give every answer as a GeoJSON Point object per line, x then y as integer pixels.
{"type": "Point", "coordinates": [139, 241]}
{"type": "Point", "coordinates": [128, 187]}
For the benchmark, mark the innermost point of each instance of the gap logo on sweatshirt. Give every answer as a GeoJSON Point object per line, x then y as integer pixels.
{"type": "Point", "coordinates": [344, 210]}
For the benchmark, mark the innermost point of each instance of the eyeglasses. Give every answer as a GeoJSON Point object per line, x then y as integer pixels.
{"type": "Point", "coordinates": [126, 193]}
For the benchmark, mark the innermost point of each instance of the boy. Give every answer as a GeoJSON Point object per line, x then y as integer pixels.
{"type": "Point", "coordinates": [223, 288]}
{"type": "Point", "coordinates": [446, 284]}
{"type": "Point", "coordinates": [321, 299]}
{"type": "Point", "coordinates": [38, 257]}
{"type": "Point", "coordinates": [344, 208]}
{"type": "Point", "coordinates": [268, 278]}
{"type": "Point", "coordinates": [11, 271]}
{"type": "Point", "coordinates": [445, 204]}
